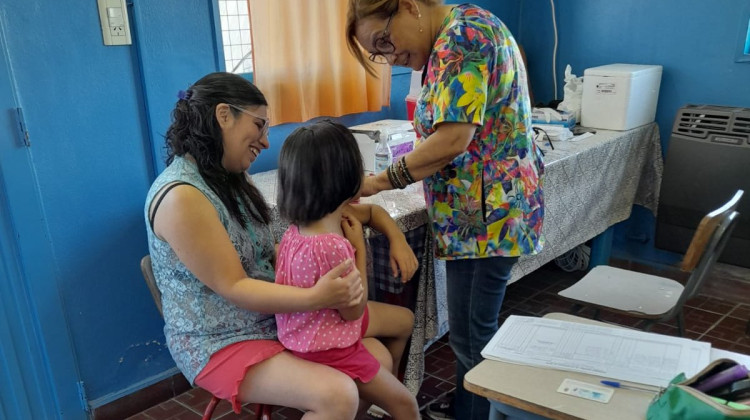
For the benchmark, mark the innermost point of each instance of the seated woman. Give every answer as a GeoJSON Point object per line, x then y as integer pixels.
{"type": "Point", "coordinates": [213, 254]}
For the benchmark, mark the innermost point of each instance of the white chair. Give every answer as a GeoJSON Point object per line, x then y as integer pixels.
{"type": "Point", "coordinates": [655, 298]}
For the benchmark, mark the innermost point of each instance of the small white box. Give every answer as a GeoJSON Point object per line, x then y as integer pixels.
{"type": "Point", "coordinates": [620, 96]}
{"type": "Point", "coordinates": [400, 135]}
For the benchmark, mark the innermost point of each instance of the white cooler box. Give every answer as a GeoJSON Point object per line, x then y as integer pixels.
{"type": "Point", "coordinates": [400, 135]}
{"type": "Point", "coordinates": [620, 96]}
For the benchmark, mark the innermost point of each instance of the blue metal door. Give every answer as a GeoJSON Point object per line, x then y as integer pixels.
{"type": "Point", "coordinates": [38, 377]}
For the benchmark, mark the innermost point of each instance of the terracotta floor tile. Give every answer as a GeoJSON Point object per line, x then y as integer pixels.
{"type": "Point", "coordinates": [443, 352]}
{"type": "Point", "coordinates": [444, 370]}
{"type": "Point", "coordinates": [140, 416]}
{"type": "Point", "coordinates": [432, 388]}
{"type": "Point", "coordinates": [744, 340]}
{"type": "Point", "coordinates": [697, 301]}
{"type": "Point", "coordinates": [718, 343]}
{"type": "Point", "coordinates": [188, 415]}
{"type": "Point", "coordinates": [700, 320]}
{"type": "Point", "coordinates": [741, 311]}
{"type": "Point", "coordinates": [716, 305]}
{"type": "Point", "coordinates": [533, 306]}
{"type": "Point", "coordinates": [245, 414]}
{"type": "Point", "coordinates": [728, 282]}
{"type": "Point", "coordinates": [729, 329]}
{"type": "Point", "coordinates": [197, 399]}
{"type": "Point", "coordinates": [169, 410]}
{"type": "Point", "coordinates": [739, 348]}
{"type": "Point", "coordinates": [516, 293]}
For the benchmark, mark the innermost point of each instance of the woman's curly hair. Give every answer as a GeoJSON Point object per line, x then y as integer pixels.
{"type": "Point", "coordinates": [196, 131]}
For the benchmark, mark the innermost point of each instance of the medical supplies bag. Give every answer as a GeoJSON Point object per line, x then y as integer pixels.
{"type": "Point", "coordinates": [712, 394]}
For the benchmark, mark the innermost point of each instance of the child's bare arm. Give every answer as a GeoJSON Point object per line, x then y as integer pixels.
{"type": "Point", "coordinates": [402, 259]}
{"type": "Point", "coordinates": [353, 232]}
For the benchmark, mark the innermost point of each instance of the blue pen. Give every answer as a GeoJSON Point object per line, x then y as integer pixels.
{"type": "Point", "coordinates": [615, 384]}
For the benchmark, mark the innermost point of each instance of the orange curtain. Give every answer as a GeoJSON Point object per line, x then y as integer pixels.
{"type": "Point", "coordinates": [302, 64]}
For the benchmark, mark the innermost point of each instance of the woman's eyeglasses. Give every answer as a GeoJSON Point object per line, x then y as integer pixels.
{"type": "Point", "coordinates": [266, 120]}
{"type": "Point", "coordinates": [383, 45]}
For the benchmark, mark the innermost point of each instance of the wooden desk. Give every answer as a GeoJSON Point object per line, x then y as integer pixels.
{"type": "Point", "coordinates": [534, 389]}
{"type": "Point", "coordinates": [589, 186]}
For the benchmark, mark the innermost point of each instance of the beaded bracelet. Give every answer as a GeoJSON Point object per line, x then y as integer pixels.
{"type": "Point", "coordinates": [395, 178]}
{"type": "Point", "coordinates": [400, 176]}
{"type": "Point", "coordinates": [405, 170]}
{"type": "Point", "coordinates": [390, 174]}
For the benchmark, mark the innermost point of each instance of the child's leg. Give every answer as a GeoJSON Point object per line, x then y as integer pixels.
{"type": "Point", "coordinates": [387, 392]}
{"type": "Point", "coordinates": [383, 356]}
{"type": "Point", "coordinates": [379, 351]}
{"type": "Point", "coordinates": [392, 325]}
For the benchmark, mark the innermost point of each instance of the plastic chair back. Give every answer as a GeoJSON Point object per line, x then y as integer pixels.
{"type": "Point", "coordinates": [708, 242]}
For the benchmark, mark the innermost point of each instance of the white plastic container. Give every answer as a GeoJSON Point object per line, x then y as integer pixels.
{"type": "Point", "coordinates": [620, 96]}
{"type": "Point", "coordinates": [399, 134]}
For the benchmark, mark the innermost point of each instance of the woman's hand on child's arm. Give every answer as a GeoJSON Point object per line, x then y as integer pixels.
{"type": "Point", "coordinates": [340, 290]}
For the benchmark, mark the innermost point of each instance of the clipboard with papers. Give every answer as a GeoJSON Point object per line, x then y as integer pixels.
{"type": "Point", "coordinates": [612, 352]}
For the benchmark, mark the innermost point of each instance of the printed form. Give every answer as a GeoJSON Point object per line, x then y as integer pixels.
{"type": "Point", "coordinates": [611, 352]}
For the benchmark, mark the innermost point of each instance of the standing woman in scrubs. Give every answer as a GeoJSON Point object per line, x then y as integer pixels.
{"type": "Point", "coordinates": [482, 171]}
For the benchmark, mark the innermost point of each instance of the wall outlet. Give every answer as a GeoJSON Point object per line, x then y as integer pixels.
{"type": "Point", "coordinates": [113, 16]}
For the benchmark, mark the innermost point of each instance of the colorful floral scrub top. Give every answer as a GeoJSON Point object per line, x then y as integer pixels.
{"type": "Point", "coordinates": [488, 201]}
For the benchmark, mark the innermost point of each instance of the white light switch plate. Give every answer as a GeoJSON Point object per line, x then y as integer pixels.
{"type": "Point", "coordinates": [113, 17]}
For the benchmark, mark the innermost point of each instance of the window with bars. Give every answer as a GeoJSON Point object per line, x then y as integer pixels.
{"type": "Point", "coordinates": [235, 36]}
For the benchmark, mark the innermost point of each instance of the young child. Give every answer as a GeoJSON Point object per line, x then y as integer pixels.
{"type": "Point", "coordinates": [320, 173]}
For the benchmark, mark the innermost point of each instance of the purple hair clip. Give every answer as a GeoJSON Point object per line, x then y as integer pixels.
{"type": "Point", "coordinates": [184, 95]}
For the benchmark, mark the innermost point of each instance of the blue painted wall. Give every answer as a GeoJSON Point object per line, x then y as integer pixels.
{"type": "Point", "coordinates": [697, 43]}
{"type": "Point", "coordinates": [96, 116]}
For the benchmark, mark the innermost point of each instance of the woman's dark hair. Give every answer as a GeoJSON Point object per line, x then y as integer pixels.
{"type": "Point", "coordinates": [196, 131]}
{"type": "Point", "coordinates": [320, 167]}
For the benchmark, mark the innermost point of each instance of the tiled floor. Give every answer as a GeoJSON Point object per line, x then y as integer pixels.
{"type": "Point", "coordinates": [719, 314]}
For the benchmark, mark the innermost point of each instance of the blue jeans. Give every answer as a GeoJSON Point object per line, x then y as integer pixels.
{"type": "Point", "coordinates": [476, 288]}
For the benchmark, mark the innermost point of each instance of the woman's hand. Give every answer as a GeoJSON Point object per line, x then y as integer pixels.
{"type": "Point", "coordinates": [372, 185]}
{"type": "Point", "coordinates": [352, 228]}
{"type": "Point", "coordinates": [341, 287]}
{"type": "Point", "coordinates": [403, 260]}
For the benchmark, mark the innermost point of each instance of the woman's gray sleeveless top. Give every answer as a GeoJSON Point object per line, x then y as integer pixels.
{"type": "Point", "coordinates": [198, 321]}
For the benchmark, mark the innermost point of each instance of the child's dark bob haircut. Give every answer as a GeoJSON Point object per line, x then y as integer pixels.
{"type": "Point", "coordinates": [320, 168]}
